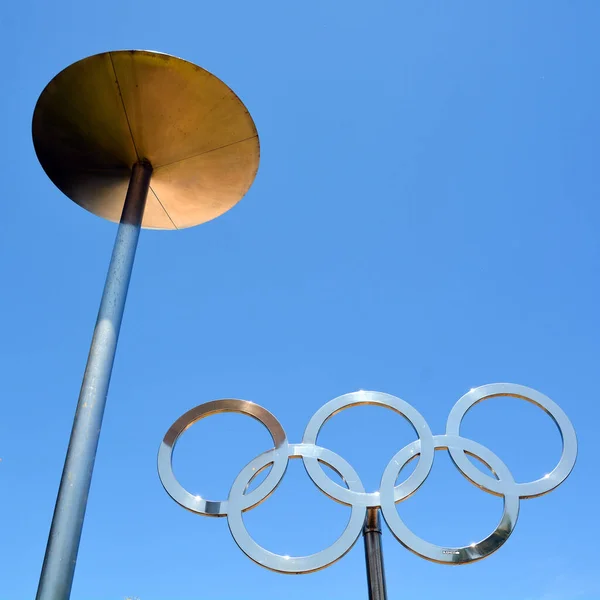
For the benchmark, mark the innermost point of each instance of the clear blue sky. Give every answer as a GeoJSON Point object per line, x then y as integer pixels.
{"type": "Point", "coordinates": [425, 220]}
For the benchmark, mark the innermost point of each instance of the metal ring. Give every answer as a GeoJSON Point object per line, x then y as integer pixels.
{"type": "Point", "coordinates": [218, 508]}
{"type": "Point", "coordinates": [354, 495]}
{"type": "Point", "coordinates": [349, 496]}
{"type": "Point", "coordinates": [294, 564]}
{"type": "Point", "coordinates": [530, 489]}
{"type": "Point", "coordinates": [440, 554]}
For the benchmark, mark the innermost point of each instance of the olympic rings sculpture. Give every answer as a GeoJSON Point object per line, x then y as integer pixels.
{"type": "Point", "coordinates": [354, 495]}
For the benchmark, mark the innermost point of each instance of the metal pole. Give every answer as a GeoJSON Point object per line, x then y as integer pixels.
{"type": "Point", "coordinates": [374, 555]}
{"type": "Point", "coordinates": [65, 532]}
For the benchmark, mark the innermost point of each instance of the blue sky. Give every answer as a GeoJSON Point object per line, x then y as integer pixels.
{"type": "Point", "coordinates": [424, 221]}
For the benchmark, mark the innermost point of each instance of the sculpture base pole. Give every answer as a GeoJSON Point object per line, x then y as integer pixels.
{"type": "Point", "coordinates": [374, 555]}
{"type": "Point", "coordinates": [65, 532]}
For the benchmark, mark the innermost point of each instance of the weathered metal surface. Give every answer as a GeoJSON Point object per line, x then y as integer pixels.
{"type": "Point", "coordinates": [101, 115]}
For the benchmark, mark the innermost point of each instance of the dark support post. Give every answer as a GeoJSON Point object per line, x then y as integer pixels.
{"type": "Point", "coordinates": [65, 532]}
{"type": "Point", "coordinates": [374, 555]}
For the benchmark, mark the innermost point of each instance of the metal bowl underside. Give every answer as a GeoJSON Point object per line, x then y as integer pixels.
{"type": "Point", "coordinates": [101, 115]}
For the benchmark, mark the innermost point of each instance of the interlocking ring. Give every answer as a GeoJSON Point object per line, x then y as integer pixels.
{"type": "Point", "coordinates": [530, 489]}
{"type": "Point", "coordinates": [349, 496]}
{"type": "Point", "coordinates": [211, 508]}
{"type": "Point", "coordinates": [441, 554]}
{"type": "Point", "coordinates": [389, 494]}
{"type": "Point", "coordinates": [295, 564]}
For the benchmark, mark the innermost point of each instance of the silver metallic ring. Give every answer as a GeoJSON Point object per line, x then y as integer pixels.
{"type": "Point", "coordinates": [295, 564]}
{"type": "Point", "coordinates": [349, 496]}
{"type": "Point", "coordinates": [441, 554]}
{"type": "Point", "coordinates": [389, 494]}
{"type": "Point", "coordinates": [530, 489]}
{"type": "Point", "coordinates": [218, 508]}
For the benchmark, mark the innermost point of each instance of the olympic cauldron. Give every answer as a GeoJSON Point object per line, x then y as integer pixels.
{"type": "Point", "coordinates": [361, 502]}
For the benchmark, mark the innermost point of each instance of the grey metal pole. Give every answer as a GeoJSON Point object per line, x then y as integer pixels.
{"type": "Point", "coordinates": [65, 532]}
{"type": "Point", "coordinates": [374, 555]}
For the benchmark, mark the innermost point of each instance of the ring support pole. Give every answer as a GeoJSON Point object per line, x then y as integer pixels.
{"type": "Point", "coordinates": [65, 532]}
{"type": "Point", "coordinates": [374, 555]}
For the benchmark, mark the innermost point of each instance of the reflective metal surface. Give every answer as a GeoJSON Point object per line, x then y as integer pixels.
{"type": "Point", "coordinates": [525, 490]}
{"type": "Point", "coordinates": [295, 564]}
{"type": "Point", "coordinates": [444, 554]}
{"type": "Point", "coordinates": [348, 496]}
{"type": "Point", "coordinates": [389, 494]}
{"type": "Point", "coordinates": [101, 128]}
{"type": "Point", "coordinates": [65, 532]}
{"type": "Point", "coordinates": [374, 556]}
{"type": "Point", "coordinates": [101, 115]}
{"type": "Point", "coordinates": [218, 508]}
